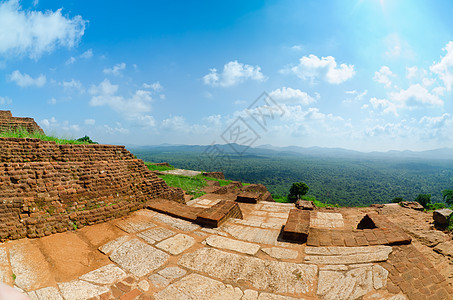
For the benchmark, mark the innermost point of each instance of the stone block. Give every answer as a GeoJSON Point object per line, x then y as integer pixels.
{"type": "Point", "coordinates": [442, 216]}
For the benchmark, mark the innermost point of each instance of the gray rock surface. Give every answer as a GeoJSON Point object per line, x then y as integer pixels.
{"type": "Point", "coordinates": [230, 244]}
{"type": "Point", "coordinates": [155, 234]}
{"type": "Point", "coordinates": [108, 274]}
{"type": "Point", "coordinates": [346, 255]}
{"type": "Point", "coordinates": [48, 293]}
{"type": "Point", "coordinates": [279, 277]}
{"type": "Point", "coordinates": [79, 289]}
{"type": "Point", "coordinates": [172, 272]}
{"type": "Point", "coordinates": [177, 244]}
{"type": "Point", "coordinates": [138, 257]}
{"type": "Point", "coordinates": [281, 253]}
{"type": "Point", "coordinates": [176, 223]}
{"type": "Point", "coordinates": [252, 234]}
{"type": "Point", "coordinates": [441, 216]}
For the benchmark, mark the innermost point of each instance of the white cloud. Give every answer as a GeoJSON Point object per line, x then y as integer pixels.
{"type": "Point", "coordinates": [311, 67]}
{"type": "Point", "coordinates": [444, 68]}
{"type": "Point", "coordinates": [233, 73]}
{"type": "Point", "coordinates": [87, 54]}
{"type": "Point", "coordinates": [155, 86]}
{"type": "Point", "coordinates": [114, 130]}
{"type": "Point", "coordinates": [25, 80]}
{"type": "Point", "coordinates": [133, 108]}
{"type": "Point", "coordinates": [411, 72]}
{"type": "Point", "coordinates": [115, 70]}
{"type": "Point", "coordinates": [416, 94]}
{"type": "Point", "coordinates": [397, 47]}
{"type": "Point", "coordinates": [33, 32]}
{"type": "Point", "coordinates": [52, 101]}
{"type": "Point", "coordinates": [383, 104]}
{"type": "Point", "coordinates": [72, 85]}
{"type": "Point", "coordinates": [291, 96]}
{"type": "Point", "coordinates": [53, 125]}
{"type": "Point", "coordinates": [297, 48]}
{"type": "Point", "coordinates": [383, 76]}
{"type": "Point", "coordinates": [70, 60]}
{"type": "Point", "coordinates": [90, 122]}
{"type": "Point", "coordinates": [355, 96]}
{"type": "Point", "coordinates": [5, 100]}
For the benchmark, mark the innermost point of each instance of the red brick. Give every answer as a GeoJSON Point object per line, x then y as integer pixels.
{"type": "Point", "coordinates": [131, 295]}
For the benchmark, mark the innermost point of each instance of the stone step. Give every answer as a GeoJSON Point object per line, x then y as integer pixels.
{"type": "Point", "coordinates": [217, 214]}
{"type": "Point", "coordinates": [297, 226]}
{"type": "Point", "coordinates": [174, 209]}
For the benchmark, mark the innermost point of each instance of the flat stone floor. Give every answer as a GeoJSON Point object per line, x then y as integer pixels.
{"type": "Point", "coordinates": [148, 255]}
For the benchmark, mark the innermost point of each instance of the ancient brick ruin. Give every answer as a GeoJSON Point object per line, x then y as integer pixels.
{"type": "Point", "coordinates": [10, 123]}
{"type": "Point", "coordinates": [47, 188]}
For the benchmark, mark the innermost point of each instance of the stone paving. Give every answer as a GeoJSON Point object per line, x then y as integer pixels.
{"type": "Point", "coordinates": [157, 256]}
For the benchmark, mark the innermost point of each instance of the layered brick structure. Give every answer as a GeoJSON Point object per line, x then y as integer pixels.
{"type": "Point", "coordinates": [10, 123]}
{"type": "Point", "coordinates": [47, 188]}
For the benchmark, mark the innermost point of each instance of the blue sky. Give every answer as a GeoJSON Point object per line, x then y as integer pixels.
{"type": "Point", "coordinates": [358, 74]}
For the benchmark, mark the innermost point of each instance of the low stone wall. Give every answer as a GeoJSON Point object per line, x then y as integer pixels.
{"type": "Point", "coordinates": [8, 122]}
{"type": "Point", "coordinates": [47, 188]}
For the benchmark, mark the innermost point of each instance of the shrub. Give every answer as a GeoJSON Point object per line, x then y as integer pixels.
{"type": "Point", "coordinates": [424, 199]}
{"type": "Point", "coordinates": [297, 190]}
{"type": "Point", "coordinates": [397, 200]}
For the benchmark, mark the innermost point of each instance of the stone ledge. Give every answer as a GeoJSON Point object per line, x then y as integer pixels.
{"type": "Point", "coordinates": [174, 209]}
{"type": "Point", "coordinates": [297, 226]}
{"type": "Point", "coordinates": [219, 213]}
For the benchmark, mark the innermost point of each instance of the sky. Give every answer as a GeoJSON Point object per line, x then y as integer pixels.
{"type": "Point", "coordinates": [367, 75]}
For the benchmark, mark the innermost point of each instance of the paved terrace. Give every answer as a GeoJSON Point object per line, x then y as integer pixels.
{"type": "Point", "coordinates": [150, 255]}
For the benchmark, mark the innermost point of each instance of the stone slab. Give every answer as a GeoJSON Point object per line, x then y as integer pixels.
{"type": "Point", "coordinates": [346, 255]}
{"type": "Point", "coordinates": [112, 245]}
{"type": "Point", "coordinates": [196, 286]}
{"type": "Point", "coordinates": [4, 257]}
{"type": "Point", "coordinates": [30, 266]}
{"type": "Point", "coordinates": [275, 276]}
{"type": "Point", "coordinates": [132, 225]}
{"type": "Point", "coordinates": [159, 281]}
{"type": "Point", "coordinates": [138, 258]}
{"type": "Point", "coordinates": [252, 234]}
{"type": "Point", "coordinates": [326, 220]}
{"type": "Point", "coordinates": [108, 274]}
{"type": "Point", "coordinates": [156, 234]}
{"type": "Point", "coordinates": [230, 244]}
{"type": "Point", "coordinates": [48, 293]}
{"type": "Point", "coordinates": [177, 244]}
{"type": "Point", "coordinates": [280, 253]}
{"type": "Point", "coordinates": [79, 289]}
{"type": "Point", "coordinates": [176, 223]}
{"type": "Point", "coordinates": [172, 272]}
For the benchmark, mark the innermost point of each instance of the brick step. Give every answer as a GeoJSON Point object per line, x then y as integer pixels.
{"type": "Point", "coordinates": [217, 214]}
{"type": "Point", "coordinates": [174, 209]}
{"type": "Point", "coordinates": [297, 226]}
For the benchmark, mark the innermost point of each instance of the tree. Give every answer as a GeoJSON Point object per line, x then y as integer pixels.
{"type": "Point", "coordinates": [424, 199]}
{"type": "Point", "coordinates": [448, 196]}
{"type": "Point", "coordinates": [397, 200]}
{"type": "Point", "coordinates": [297, 190]}
{"type": "Point", "coordinates": [86, 139]}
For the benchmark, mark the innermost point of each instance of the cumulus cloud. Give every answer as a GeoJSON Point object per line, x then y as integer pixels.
{"type": "Point", "coordinates": [291, 96]}
{"type": "Point", "coordinates": [25, 80]}
{"type": "Point", "coordinates": [312, 67]}
{"type": "Point", "coordinates": [355, 96]}
{"type": "Point", "coordinates": [72, 85]}
{"type": "Point", "coordinates": [411, 72]}
{"type": "Point", "coordinates": [133, 108]}
{"type": "Point", "coordinates": [383, 104]}
{"type": "Point", "coordinates": [383, 76]}
{"type": "Point", "coordinates": [5, 100]}
{"type": "Point", "coordinates": [53, 125]}
{"type": "Point", "coordinates": [115, 70]}
{"type": "Point", "coordinates": [85, 55]}
{"type": "Point", "coordinates": [233, 73]}
{"type": "Point", "coordinates": [155, 86]}
{"type": "Point", "coordinates": [90, 122]}
{"type": "Point", "coordinates": [33, 33]}
{"type": "Point", "coordinates": [444, 67]}
{"type": "Point", "coordinates": [416, 94]}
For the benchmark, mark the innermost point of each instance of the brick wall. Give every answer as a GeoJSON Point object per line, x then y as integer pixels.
{"type": "Point", "coordinates": [47, 188]}
{"type": "Point", "coordinates": [8, 122]}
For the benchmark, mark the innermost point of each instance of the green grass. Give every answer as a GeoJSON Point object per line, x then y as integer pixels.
{"type": "Point", "coordinates": [222, 182]}
{"type": "Point", "coordinates": [153, 167]}
{"type": "Point", "coordinates": [191, 185]}
{"type": "Point", "coordinates": [22, 133]}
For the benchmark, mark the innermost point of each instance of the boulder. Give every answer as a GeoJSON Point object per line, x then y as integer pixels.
{"type": "Point", "coordinates": [305, 205]}
{"type": "Point", "coordinates": [412, 204]}
{"type": "Point", "coordinates": [441, 216]}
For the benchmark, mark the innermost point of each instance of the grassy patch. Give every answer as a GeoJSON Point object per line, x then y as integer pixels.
{"type": "Point", "coordinates": [153, 167]}
{"type": "Point", "coordinates": [22, 133]}
{"type": "Point", "coordinates": [191, 185]}
{"type": "Point", "coordinates": [222, 182]}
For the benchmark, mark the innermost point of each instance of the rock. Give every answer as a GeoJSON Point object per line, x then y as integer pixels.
{"type": "Point", "coordinates": [108, 274]}
{"type": "Point", "coordinates": [377, 205]}
{"type": "Point", "coordinates": [79, 289]}
{"type": "Point", "coordinates": [159, 281]}
{"type": "Point", "coordinates": [305, 205]}
{"type": "Point", "coordinates": [446, 249]}
{"type": "Point", "coordinates": [112, 245]}
{"type": "Point", "coordinates": [196, 286]}
{"type": "Point", "coordinates": [412, 204]}
{"type": "Point", "coordinates": [346, 255]}
{"type": "Point", "coordinates": [138, 258]}
{"type": "Point", "coordinates": [379, 277]}
{"type": "Point", "coordinates": [216, 175]}
{"type": "Point", "coordinates": [326, 220]}
{"type": "Point", "coordinates": [441, 216]}
{"type": "Point", "coordinates": [172, 272]}
{"type": "Point", "coordinates": [156, 234]}
{"type": "Point", "coordinates": [276, 276]}
{"type": "Point", "coordinates": [176, 223]}
{"type": "Point", "coordinates": [48, 293]}
{"type": "Point", "coordinates": [281, 253]}
{"type": "Point", "coordinates": [230, 244]}
{"type": "Point", "coordinates": [252, 234]}
{"type": "Point", "coordinates": [177, 244]}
